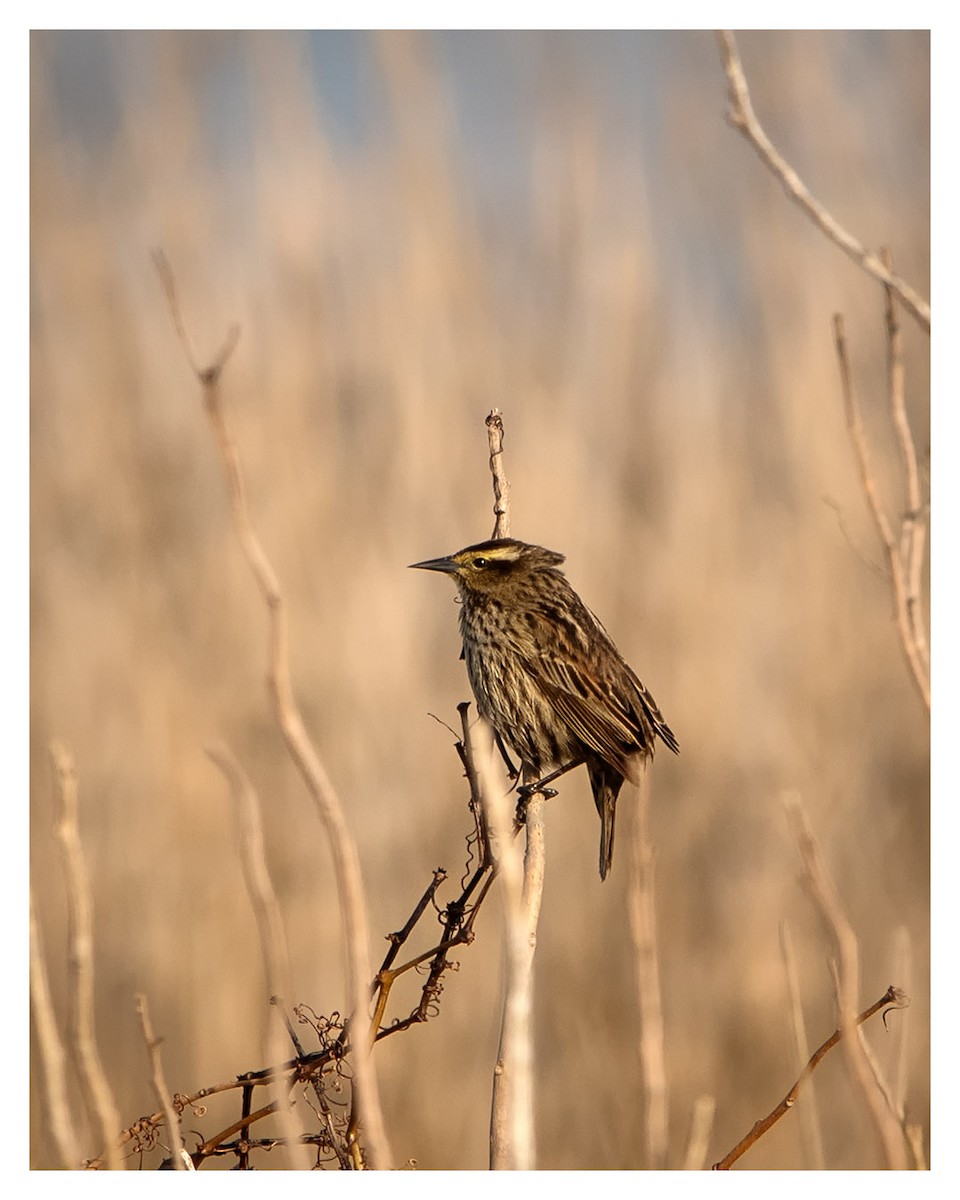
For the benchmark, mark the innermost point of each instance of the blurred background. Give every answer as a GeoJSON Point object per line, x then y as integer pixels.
{"type": "Point", "coordinates": [411, 228]}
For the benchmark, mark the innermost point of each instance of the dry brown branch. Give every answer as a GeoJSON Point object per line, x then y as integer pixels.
{"type": "Point", "coordinates": [343, 848]}
{"type": "Point", "coordinates": [742, 117]}
{"type": "Point", "coordinates": [643, 926]}
{"type": "Point", "coordinates": [82, 1032]}
{"type": "Point", "coordinates": [891, 998]}
{"type": "Point", "coordinates": [272, 936]}
{"type": "Point", "coordinates": [180, 1160]}
{"type": "Point", "coordinates": [52, 1054]}
{"type": "Point", "coordinates": [903, 574]}
{"type": "Point", "coordinates": [808, 1113]}
{"type": "Point", "coordinates": [848, 984]}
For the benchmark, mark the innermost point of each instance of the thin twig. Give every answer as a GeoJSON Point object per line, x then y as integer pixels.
{"type": "Point", "coordinates": [160, 1086]}
{"type": "Point", "coordinates": [742, 117]}
{"type": "Point", "coordinates": [83, 1038]}
{"type": "Point", "coordinates": [643, 926]}
{"type": "Point", "coordinates": [902, 607]}
{"type": "Point", "coordinates": [501, 488]}
{"type": "Point", "coordinates": [848, 983]}
{"type": "Point", "coordinates": [891, 998]}
{"type": "Point", "coordinates": [52, 1054]}
{"type": "Point", "coordinates": [343, 848]}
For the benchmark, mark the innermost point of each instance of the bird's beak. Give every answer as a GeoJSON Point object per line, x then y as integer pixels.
{"type": "Point", "coordinates": [449, 566]}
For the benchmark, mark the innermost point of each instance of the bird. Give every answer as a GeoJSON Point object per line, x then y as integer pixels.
{"type": "Point", "coordinates": [547, 676]}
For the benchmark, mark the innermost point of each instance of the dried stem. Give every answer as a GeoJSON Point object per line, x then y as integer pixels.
{"type": "Point", "coordinates": [848, 984]}
{"type": "Point", "coordinates": [742, 117]}
{"type": "Point", "coordinates": [906, 606]}
{"type": "Point", "coordinates": [700, 1126]}
{"type": "Point", "coordinates": [643, 926]}
{"type": "Point", "coordinates": [501, 488]}
{"type": "Point", "coordinates": [82, 1031]}
{"type": "Point", "coordinates": [913, 530]}
{"type": "Point", "coordinates": [52, 1054]}
{"type": "Point", "coordinates": [892, 998]}
{"type": "Point", "coordinates": [343, 848]}
{"type": "Point", "coordinates": [809, 1115]}
{"type": "Point", "coordinates": [180, 1160]}
{"type": "Point", "coordinates": [272, 935]}
{"type": "Point", "coordinates": [512, 1138]}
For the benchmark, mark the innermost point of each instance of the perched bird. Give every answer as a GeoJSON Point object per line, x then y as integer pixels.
{"type": "Point", "coordinates": [547, 676]}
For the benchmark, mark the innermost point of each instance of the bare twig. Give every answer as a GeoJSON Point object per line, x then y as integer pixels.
{"type": "Point", "coordinates": [891, 998]}
{"type": "Point", "coordinates": [906, 608]}
{"type": "Point", "coordinates": [501, 488]}
{"type": "Point", "coordinates": [160, 1086]}
{"type": "Point", "coordinates": [83, 1038]}
{"type": "Point", "coordinates": [272, 936]}
{"type": "Point", "coordinates": [52, 1054]}
{"type": "Point", "coordinates": [643, 925]}
{"type": "Point", "coordinates": [743, 118]}
{"type": "Point", "coordinates": [848, 984]}
{"type": "Point", "coordinates": [343, 848]}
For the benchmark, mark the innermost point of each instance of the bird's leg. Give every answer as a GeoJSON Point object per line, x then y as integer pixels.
{"type": "Point", "coordinates": [526, 790]}
{"type": "Point", "coordinates": [512, 771]}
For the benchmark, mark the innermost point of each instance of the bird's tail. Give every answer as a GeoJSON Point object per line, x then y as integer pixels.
{"type": "Point", "coordinates": [606, 783]}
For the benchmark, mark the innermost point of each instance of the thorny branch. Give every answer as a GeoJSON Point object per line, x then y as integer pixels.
{"type": "Point", "coordinates": [328, 1071]}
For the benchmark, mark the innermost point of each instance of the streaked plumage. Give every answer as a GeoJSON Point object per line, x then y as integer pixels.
{"type": "Point", "coordinates": [546, 674]}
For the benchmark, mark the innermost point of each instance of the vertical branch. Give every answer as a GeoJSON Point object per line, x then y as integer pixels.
{"type": "Point", "coordinates": [52, 1054]}
{"type": "Point", "coordinates": [161, 1091]}
{"type": "Point", "coordinates": [895, 566]}
{"type": "Point", "coordinates": [273, 940]}
{"type": "Point", "coordinates": [914, 527]}
{"type": "Point", "coordinates": [343, 849]}
{"type": "Point", "coordinates": [643, 926]}
{"type": "Point", "coordinates": [809, 1114]}
{"type": "Point", "coordinates": [701, 1124]}
{"type": "Point", "coordinates": [848, 984]}
{"type": "Point", "coordinates": [83, 1038]}
{"type": "Point", "coordinates": [512, 1142]}
{"type": "Point", "coordinates": [501, 488]}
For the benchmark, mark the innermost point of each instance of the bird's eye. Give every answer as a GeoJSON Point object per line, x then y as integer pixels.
{"type": "Point", "coordinates": [480, 562]}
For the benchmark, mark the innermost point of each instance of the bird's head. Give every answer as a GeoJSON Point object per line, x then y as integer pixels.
{"type": "Point", "coordinates": [492, 568]}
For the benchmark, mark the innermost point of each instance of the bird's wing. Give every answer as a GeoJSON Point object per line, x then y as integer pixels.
{"type": "Point", "coordinates": [598, 716]}
{"type": "Point", "coordinates": [609, 710]}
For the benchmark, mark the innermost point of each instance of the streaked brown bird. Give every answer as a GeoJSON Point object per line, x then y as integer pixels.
{"type": "Point", "coordinates": [547, 676]}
